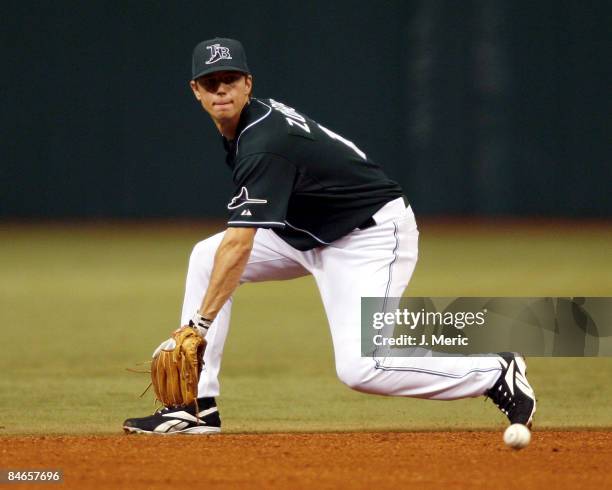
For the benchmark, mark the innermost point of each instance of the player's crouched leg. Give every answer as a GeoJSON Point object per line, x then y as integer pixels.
{"type": "Point", "coordinates": [203, 255]}
{"type": "Point", "coordinates": [198, 274]}
{"type": "Point", "coordinates": [383, 376]}
{"type": "Point", "coordinates": [360, 374]}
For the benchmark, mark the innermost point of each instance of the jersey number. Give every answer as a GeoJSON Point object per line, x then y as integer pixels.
{"type": "Point", "coordinates": [348, 143]}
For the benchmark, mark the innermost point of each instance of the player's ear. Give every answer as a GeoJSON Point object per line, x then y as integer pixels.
{"type": "Point", "coordinates": [248, 83]}
{"type": "Point", "coordinates": [194, 88]}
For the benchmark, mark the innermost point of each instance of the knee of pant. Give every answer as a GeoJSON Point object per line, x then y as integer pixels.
{"type": "Point", "coordinates": [352, 375]}
{"type": "Point", "coordinates": [203, 256]}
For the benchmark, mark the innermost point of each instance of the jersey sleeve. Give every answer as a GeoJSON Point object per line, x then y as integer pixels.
{"type": "Point", "coordinates": [264, 183]}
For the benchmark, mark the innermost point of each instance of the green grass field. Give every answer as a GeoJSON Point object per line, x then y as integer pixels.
{"type": "Point", "coordinates": [80, 304]}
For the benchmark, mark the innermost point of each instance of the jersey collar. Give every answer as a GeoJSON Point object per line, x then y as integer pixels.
{"type": "Point", "coordinates": [250, 113]}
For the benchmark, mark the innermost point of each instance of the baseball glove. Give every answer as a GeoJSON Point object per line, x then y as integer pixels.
{"type": "Point", "coordinates": [176, 367]}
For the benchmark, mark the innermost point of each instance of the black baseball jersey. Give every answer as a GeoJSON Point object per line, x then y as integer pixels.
{"type": "Point", "coordinates": [307, 183]}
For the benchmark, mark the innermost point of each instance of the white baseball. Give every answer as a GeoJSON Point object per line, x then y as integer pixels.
{"type": "Point", "coordinates": [517, 436]}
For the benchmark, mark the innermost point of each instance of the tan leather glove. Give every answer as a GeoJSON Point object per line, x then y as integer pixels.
{"type": "Point", "coordinates": [176, 367]}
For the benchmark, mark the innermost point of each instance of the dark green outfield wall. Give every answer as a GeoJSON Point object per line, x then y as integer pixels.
{"type": "Point", "coordinates": [475, 107]}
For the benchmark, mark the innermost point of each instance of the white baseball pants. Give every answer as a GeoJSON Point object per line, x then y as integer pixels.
{"type": "Point", "coordinates": [375, 262]}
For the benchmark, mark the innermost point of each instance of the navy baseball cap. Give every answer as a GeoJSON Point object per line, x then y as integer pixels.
{"type": "Point", "coordinates": [218, 54]}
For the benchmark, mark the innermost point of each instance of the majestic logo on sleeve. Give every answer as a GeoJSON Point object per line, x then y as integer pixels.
{"type": "Point", "coordinates": [218, 52]}
{"type": "Point", "coordinates": [243, 198]}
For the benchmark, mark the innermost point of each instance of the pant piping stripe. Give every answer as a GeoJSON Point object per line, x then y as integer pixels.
{"type": "Point", "coordinates": [384, 306]}
{"type": "Point", "coordinates": [391, 265]}
{"type": "Point", "coordinates": [437, 373]}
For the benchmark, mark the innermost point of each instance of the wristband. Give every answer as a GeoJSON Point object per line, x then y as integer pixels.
{"type": "Point", "coordinates": [199, 321]}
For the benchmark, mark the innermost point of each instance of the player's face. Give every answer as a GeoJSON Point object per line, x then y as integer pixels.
{"type": "Point", "coordinates": [223, 94]}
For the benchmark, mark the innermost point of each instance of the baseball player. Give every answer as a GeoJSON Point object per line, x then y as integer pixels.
{"type": "Point", "coordinates": [309, 201]}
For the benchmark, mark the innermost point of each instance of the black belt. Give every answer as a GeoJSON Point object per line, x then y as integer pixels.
{"type": "Point", "coordinates": [370, 221]}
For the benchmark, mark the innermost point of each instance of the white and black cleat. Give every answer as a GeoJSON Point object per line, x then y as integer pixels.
{"type": "Point", "coordinates": [512, 393]}
{"type": "Point", "coordinates": [181, 420]}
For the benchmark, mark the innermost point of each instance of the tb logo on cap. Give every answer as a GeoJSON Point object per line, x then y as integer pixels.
{"type": "Point", "coordinates": [218, 52]}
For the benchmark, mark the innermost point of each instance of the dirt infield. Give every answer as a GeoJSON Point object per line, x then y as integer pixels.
{"type": "Point", "coordinates": [329, 460]}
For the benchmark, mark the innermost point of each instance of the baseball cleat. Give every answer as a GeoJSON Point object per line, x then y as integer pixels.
{"type": "Point", "coordinates": [181, 420]}
{"type": "Point", "coordinates": [512, 393]}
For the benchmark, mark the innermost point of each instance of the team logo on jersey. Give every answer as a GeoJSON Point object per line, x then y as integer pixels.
{"type": "Point", "coordinates": [243, 198]}
{"type": "Point", "coordinates": [218, 52]}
